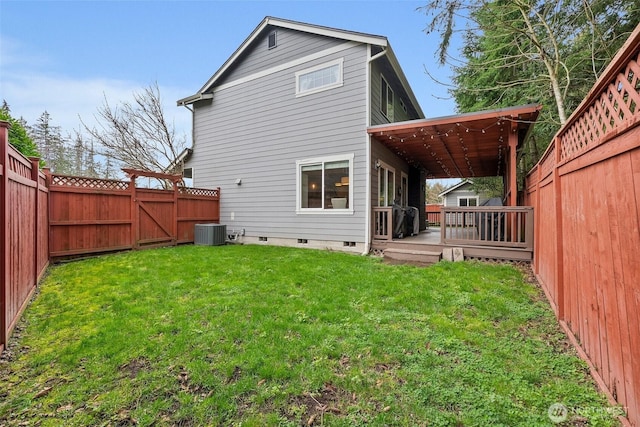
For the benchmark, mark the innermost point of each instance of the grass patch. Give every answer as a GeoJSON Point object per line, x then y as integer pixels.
{"type": "Point", "coordinates": [254, 335]}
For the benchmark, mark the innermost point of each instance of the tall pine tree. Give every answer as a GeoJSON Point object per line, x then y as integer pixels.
{"type": "Point", "coordinates": [51, 144]}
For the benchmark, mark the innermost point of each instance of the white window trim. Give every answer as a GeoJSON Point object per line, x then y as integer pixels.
{"type": "Point", "coordinates": [326, 159]}
{"type": "Point", "coordinates": [339, 83]}
{"type": "Point", "coordinates": [385, 110]}
{"type": "Point", "coordinates": [386, 167]}
{"type": "Point", "coordinates": [469, 198]}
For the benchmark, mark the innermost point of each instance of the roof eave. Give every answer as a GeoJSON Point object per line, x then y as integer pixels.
{"type": "Point", "coordinates": [455, 187]}
{"type": "Point", "coordinates": [509, 111]}
{"type": "Point", "coordinates": [194, 98]}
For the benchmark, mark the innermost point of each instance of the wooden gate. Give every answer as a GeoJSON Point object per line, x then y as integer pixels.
{"type": "Point", "coordinates": [155, 218]}
{"type": "Point", "coordinates": [155, 212]}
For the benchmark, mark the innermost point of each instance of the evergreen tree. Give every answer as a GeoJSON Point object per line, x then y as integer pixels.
{"type": "Point", "coordinates": [18, 136]}
{"type": "Point", "coordinates": [51, 144]}
{"type": "Point", "coordinates": [530, 51]}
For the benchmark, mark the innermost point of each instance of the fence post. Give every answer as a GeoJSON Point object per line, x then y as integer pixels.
{"type": "Point", "coordinates": [557, 188]}
{"type": "Point", "coordinates": [134, 212]}
{"type": "Point", "coordinates": [35, 177]}
{"type": "Point", "coordinates": [537, 225]}
{"type": "Point", "coordinates": [443, 224]}
{"type": "Point", "coordinates": [47, 180]}
{"type": "Point", "coordinates": [174, 225]}
{"type": "Point", "coordinates": [4, 230]}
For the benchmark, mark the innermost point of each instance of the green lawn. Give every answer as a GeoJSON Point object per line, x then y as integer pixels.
{"type": "Point", "coordinates": [258, 335]}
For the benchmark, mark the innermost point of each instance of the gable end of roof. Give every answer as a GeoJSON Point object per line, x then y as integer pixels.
{"type": "Point", "coordinates": [282, 23]}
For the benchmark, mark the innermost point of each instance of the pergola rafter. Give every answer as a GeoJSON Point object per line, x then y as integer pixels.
{"type": "Point", "coordinates": [463, 146]}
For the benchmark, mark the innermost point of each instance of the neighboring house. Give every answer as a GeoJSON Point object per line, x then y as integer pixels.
{"type": "Point", "coordinates": [281, 128]}
{"type": "Point", "coordinates": [462, 195]}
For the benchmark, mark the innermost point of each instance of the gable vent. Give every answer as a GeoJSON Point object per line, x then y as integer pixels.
{"type": "Point", "coordinates": [273, 41]}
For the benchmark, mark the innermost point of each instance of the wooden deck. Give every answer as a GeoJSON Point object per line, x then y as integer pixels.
{"type": "Point", "coordinates": [430, 241]}
{"type": "Point", "coordinates": [486, 232]}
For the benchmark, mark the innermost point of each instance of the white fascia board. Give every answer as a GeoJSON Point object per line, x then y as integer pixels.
{"type": "Point", "coordinates": [329, 32]}
{"type": "Point", "coordinates": [455, 187]}
{"type": "Point", "coordinates": [193, 98]}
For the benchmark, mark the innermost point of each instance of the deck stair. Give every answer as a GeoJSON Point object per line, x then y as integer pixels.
{"type": "Point", "coordinates": [411, 256]}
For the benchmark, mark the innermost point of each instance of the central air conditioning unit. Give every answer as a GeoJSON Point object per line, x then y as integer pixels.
{"type": "Point", "coordinates": [210, 234]}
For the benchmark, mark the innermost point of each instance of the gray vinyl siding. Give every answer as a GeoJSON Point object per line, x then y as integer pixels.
{"type": "Point", "coordinates": [382, 153]}
{"type": "Point", "coordinates": [290, 46]}
{"type": "Point", "coordinates": [257, 131]}
{"type": "Point", "coordinates": [380, 68]}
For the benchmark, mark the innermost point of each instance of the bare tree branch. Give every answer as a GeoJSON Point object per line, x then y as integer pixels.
{"type": "Point", "coordinates": [137, 134]}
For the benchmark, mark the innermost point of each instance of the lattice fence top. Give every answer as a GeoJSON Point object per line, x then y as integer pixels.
{"type": "Point", "coordinates": [200, 191]}
{"type": "Point", "coordinates": [85, 182]}
{"type": "Point", "coordinates": [548, 161]}
{"type": "Point", "coordinates": [617, 108]}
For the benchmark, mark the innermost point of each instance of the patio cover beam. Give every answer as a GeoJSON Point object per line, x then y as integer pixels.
{"type": "Point", "coordinates": [461, 146]}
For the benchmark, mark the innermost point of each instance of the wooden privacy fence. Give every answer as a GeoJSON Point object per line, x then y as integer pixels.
{"type": "Point", "coordinates": [586, 194]}
{"type": "Point", "coordinates": [433, 214]}
{"type": "Point", "coordinates": [90, 215]}
{"type": "Point", "coordinates": [24, 233]}
{"type": "Point", "coordinates": [47, 216]}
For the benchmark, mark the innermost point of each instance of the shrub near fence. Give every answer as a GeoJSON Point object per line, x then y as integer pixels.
{"type": "Point", "coordinates": [24, 234]}
{"type": "Point", "coordinates": [586, 195]}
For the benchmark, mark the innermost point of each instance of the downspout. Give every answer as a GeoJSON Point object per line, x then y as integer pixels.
{"type": "Point", "coordinates": [367, 221]}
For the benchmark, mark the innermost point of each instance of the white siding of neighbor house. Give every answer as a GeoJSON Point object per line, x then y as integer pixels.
{"type": "Point", "coordinates": [257, 130]}
{"type": "Point", "coordinates": [451, 199]}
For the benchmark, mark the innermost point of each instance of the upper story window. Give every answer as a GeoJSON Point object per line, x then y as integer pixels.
{"type": "Point", "coordinates": [319, 78]}
{"type": "Point", "coordinates": [272, 40]}
{"type": "Point", "coordinates": [386, 99]}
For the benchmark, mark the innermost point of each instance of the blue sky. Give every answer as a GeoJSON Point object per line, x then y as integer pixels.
{"type": "Point", "coordinates": [66, 56]}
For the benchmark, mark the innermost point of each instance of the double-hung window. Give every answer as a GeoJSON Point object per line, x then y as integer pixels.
{"type": "Point", "coordinates": [324, 184]}
{"type": "Point", "coordinates": [319, 78]}
{"type": "Point", "coordinates": [386, 99]}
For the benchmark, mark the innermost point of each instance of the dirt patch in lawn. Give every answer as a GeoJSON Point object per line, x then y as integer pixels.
{"type": "Point", "coordinates": [312, 407]}
{"type": "Point", "coordinates": [135, 366]}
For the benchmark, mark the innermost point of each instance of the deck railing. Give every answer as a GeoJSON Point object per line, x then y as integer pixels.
{"type": "Point", "coordinates": [500, 226]}
{"type": "Point", "coordinates": [495, 226]}
{"type": "Point", "coordinates": [383, 223]}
